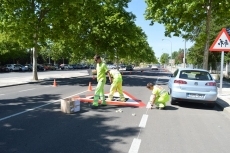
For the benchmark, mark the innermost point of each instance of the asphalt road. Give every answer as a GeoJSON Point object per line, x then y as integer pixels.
{"type": "Point", "coordinates": [31, 121]}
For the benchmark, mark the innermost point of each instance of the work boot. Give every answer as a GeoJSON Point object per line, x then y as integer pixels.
{"type": "Point", "coordinates": [161, 106]}
{"type": "Point", "coordinates": [104, 103]}
{"type": "Point", "coordinates": [94, 105]}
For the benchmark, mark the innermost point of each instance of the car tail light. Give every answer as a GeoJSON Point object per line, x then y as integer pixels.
{"type": "Point", "coordinates": [210, 84]}
{"type": "Point", "coordinates": [180, 82]}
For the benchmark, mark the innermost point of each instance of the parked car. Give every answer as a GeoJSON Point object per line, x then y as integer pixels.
{"type": "Point", "coordinates": [122, 67]}
{"type": "Point", "coordinates": [49, 67]}
{"type": "Point", "coordinates": [79, 66]}
{"type": "Point", "coordinates": [4, 69]}
{"type": "Point", "coordinates": [192, 85]}
{"type": "Point", "coordinates": [129, 68]}
{"type": "Point", "coordinates": [13, 67]}
{"type": "Point", "coordinates": [92, 67]}
{"type": "Point", "coordinates": [23, 68]}
{"type": "Point", "coordinates": [29, 66]}
{"type": "Point", "coordinates": [40, 67]}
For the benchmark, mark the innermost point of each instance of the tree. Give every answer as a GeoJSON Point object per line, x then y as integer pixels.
{"type": "Point", "coordinates": [74, 31]}
{"type": "Point", "coordinates": [183, 16]}
{"type": "Point", "coordinates": [164, 59]}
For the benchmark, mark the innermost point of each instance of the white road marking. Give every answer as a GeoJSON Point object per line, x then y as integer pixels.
{"type": "Point", "coordinates": [31, 109]}
{"type": "Point", "coordinates": [26, 90]}
{"type": "Point", "coordinates": [135, 145]}
{"type": "Point", "coordinates": [2, 94]}
{"type": "Point", "coordinates": [148, 105]}
{"type": "Point", "coordinates": [143, 121]}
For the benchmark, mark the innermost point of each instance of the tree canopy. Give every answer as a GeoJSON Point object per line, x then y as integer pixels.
{"type": "Point", "coordinates": [73, 29]}
{"type": "Point", "coordinates": [187, 17]}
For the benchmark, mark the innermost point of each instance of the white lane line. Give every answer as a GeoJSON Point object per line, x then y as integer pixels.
{"type": "Point", "coordinates": [31, 109]}
{"type": "Point", "coordinates": [2, 94]}
{"type": "Point", "coordinates": [148, 105]}
{"type": "Point", "coordinates": [143, 121]}
{"type": "Point", "coordinates": [135, 145]}
{"type": "Point", "coordinates": [26, 90]}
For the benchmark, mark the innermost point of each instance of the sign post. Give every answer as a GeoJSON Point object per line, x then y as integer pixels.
{"type": "Point", "coordinates": [221, 43]}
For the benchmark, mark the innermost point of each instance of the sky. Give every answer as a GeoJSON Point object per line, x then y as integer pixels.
{"type": "Point", "coordinates": [155, 33]}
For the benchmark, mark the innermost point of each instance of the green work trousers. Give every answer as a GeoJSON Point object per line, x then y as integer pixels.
{"type": "Point", "coordinates": [116, 86]}
{"type": "Point", "coordinates": [162, 100]}
{"type": "Point", "coordinates": [99, 92]}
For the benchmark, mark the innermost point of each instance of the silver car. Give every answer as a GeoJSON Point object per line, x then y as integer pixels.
{"type": "Point", "coordinates": [192, 85]}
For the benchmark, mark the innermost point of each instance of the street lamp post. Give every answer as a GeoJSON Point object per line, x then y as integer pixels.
{"type": "Point", "coordinates": [171, 51]}
{"type": "Point", "coordinates": [184, 60]}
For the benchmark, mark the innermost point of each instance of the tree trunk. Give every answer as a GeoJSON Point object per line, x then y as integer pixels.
{"type": "Point", "coordinates": [206, 50]}
{"type": "Point", "coordinates": [35, 74]}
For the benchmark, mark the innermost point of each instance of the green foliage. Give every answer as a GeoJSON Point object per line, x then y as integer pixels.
{"type": "Point", "coordinates": [188, 17]}
{"type": "Point", "coordinates": [164, 59]}
{"type": "Point", "coordinates": [72, 31]}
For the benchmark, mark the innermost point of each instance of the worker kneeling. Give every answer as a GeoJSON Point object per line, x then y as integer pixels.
{"type": "Point", "coordinates": [116, 80]}
{"type": "Point", "coordinates": [159, 96]}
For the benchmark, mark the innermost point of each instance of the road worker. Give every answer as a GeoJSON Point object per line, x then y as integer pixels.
{"type": "Point", "coordinates": [101, 71]}
{"type": "Point", "coordinates": [116, 85]}
{"type": "Point", "coordinates": [159, 96]}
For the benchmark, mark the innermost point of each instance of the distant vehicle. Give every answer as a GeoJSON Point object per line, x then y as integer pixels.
{"type": "Point", "coordinates": [4, 69]}
{"type": "Point", "coordinates": [29, 66]}
{"type": "Point", "coordinates": [155, 67]}
{"type": "Point", "coordinates": [122, 68]}
{"type": "Point", "coordinates": [79, 66]}
{"type": "Point", "coordinates": [192, 85]}
{"type": "Point", "coordinates": [129, 68]}
{"type": "Point", "coordinates": [40, 67]}
{"type": "Point", "coordinates": [49, 67]}
{"type": "Point", "coordinates": [92, 67]}
{"type": "Point", "coordinates": [23, 68]}
{"type": "Point", "coordinates": [13, 67]}
{"type": "Point", "coordinates": [56, 66]}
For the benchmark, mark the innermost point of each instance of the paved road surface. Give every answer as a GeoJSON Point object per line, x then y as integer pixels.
{"type": "Point", "coordinates": [31, 121]}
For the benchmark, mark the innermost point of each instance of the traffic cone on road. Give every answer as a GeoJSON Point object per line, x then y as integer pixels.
{"type": "Point", "coordinates": [54, 84]}
{"type": "Point", "coordinates": [90, 87]}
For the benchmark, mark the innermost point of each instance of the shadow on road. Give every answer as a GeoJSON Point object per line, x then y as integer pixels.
{"type": "Point", "coordinates": [49, 130]}
{"type": "Point", "coordinates": [196, 106]}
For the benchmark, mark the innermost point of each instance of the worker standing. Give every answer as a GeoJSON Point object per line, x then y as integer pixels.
{"type": "Point", "coordinates": [101, 71]}
{"type": "Point", "coordinates": [116, 85]}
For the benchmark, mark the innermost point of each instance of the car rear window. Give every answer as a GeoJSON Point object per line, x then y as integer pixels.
{"type": "Point", "coordinates": [195, 75]}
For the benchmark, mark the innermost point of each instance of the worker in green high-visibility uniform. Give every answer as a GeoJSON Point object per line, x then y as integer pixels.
{"type": "Point", "coordinates": [116, 85]}
{"type": "Point", "coordinates": [101, 71]}
{"type": "Point", "coordinates": [159, 96]}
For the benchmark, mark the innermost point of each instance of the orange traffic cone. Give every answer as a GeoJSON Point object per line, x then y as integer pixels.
{"type": "Point", "coordinates": [90, 87]}
{"type": "Point", "coordinates": [54, 84]}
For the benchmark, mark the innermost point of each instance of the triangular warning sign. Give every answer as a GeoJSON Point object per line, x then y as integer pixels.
{"type": "Point", "coordinates": [130, 100]}
{"type": "Point", "coordinates": [222, 42]}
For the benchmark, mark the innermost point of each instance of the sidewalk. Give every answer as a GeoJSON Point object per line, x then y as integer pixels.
{"type": "Point", "coordinates": [12, 81]}
{"type": "Point", "coordinates": [223, 100]}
